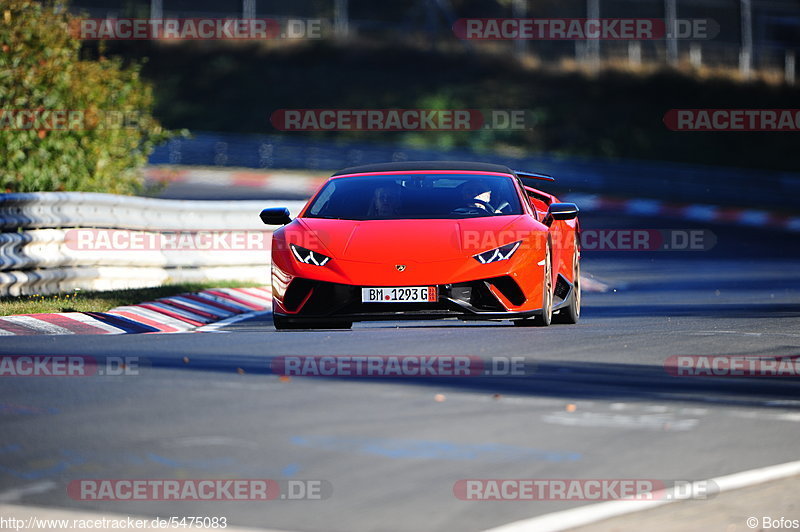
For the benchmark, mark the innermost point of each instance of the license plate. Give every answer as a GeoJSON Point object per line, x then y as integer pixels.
{"type": "Point", "coordinates": [405, 294]}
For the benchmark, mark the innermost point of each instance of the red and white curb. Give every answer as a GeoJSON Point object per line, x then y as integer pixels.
{"type": "Point", "coordinates": [303, 184]}
{"type": "Point", "coordinates": [206, 310]}
{"type": "Point", "coordinates": [279, 182]}
{"type": "Point", "coordinates": [695, 212]}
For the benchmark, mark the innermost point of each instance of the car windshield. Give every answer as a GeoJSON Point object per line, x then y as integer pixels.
{"type": "Point", "coordinates": [416, 196]}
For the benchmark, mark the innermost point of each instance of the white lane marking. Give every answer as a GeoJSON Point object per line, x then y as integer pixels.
{"type": "Point", "coordinates": [24, 513]}
{"type": "Point", "coordinates": [784, 416]}
{"type": "Point", "coordinates": [665, 422]}
{"type": "Point", "coordinates": [13, 495]}
{"type": "Point", "coordinates": [656, 408]}
{"type": "Point", "coordinates": [693, 411]}
{"type": "Point", "coordinates": [36, 324]}
{"type": "Point", "coordinates": [592, 513]}
{"type": "Point", "coordinates": [233, 319]}
{"type": "Point", "coordinates": [771, 333]}
{"type": "Point", "coordinates": [202, 441]}
{"type": "Point", "coordinates": [711, 333]}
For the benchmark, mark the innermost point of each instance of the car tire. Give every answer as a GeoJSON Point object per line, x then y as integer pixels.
{"type": "Point", "coordinates": [545, 317]}
{"type": "Point", "coordinates": [572, 312]}
{"type": "Point", "coordinates": [281, 323]}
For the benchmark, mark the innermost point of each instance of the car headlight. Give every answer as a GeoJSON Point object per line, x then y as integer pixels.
{"type": "Point", "coordinates": [306, 256]}
{"type": "Point", "coordinates": [497, 254]}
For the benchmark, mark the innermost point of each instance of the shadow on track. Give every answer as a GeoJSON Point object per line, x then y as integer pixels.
{"type": "Point", "coordinates": [568, 380]}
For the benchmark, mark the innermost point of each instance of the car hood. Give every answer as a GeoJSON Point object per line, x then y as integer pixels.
{"type": "Point", "coordinates": [381, 241]}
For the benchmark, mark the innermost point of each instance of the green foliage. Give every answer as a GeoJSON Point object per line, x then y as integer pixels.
{"type": "Point", "coordinates": [111, 132]}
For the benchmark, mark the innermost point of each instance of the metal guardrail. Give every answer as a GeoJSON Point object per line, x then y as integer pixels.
{"type": "Point", "coordinates": [52, 241]}
{"type": "Point", "coordinates": [65, 209]}
{"type": "Point", "coordinates": [627, 178]}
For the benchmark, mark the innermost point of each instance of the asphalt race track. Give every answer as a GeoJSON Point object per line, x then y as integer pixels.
{"type": "Point", "coordinates": [596, 401]}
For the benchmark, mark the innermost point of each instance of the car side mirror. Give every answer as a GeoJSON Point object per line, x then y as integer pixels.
{"type": "Point", "coordinates": [275, 216]}
{"type": "Point", "coordinates": [562, 211]}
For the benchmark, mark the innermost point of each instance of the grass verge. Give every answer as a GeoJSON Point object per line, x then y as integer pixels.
{"type": "Point", "coordinates": [90, 301]}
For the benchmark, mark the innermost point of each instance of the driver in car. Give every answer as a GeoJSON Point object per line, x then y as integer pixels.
{"type": "Point", "coordinates": [385, 202]}
{"type": "Point", "coordinates": [475, 193]}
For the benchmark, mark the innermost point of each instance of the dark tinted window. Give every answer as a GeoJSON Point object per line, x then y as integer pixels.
{"type": "Point", "coordinates": [415, 196]}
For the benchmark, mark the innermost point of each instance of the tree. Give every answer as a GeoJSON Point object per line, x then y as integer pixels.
{"type": "Point", "coordinates": [68, 123]}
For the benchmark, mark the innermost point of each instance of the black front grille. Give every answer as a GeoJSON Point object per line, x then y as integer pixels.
{"type": "Point", "coordinates": [562, 287]}
{"type": "Point", "coordinates": [476, 294]}
{"type": "Point", "coordinates": [509, 288]}
{"type": "Point", "coordinates": [329, 299]}
{"type": "Point", "coordinates": [296, 292]}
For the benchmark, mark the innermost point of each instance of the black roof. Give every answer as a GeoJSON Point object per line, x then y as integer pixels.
{"type": "Point", "coordinates": [426, 165]}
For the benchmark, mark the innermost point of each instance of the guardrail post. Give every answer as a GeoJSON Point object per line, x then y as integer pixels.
{"type": "Point", "coordinates": [341, 21]}
{"type": "Point", "coordinates": [746, 54]}
{"type": "Point", "coordinates": [695, 55]}
{"type": "Point", "coordinates": [671, 15]}
{"type": "Point", "coordinates": [248, 9]}
{"type": "Point", "coordinates": [156, 10]}
{"type": "Point", "coordinates": [635, 53]}
{"type": "Point", "coordinates": [593, 45]}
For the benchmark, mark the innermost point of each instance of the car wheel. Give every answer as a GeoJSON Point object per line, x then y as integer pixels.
{"type": "Point", "coordinates": [572, 312]}
{"type": "Point", "coordinates": [281, 323]}
{"type": "Point", "coordinates": [546, 316]}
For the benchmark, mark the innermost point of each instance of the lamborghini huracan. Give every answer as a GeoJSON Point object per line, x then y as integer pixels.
{"type": "Point", "coordinates": [426, 240]}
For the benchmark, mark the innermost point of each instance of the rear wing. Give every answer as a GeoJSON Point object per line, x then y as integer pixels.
{"type": "Point", "coordinates": [534, 175]}
{"type": "Point", "coordinates": [535, 193]}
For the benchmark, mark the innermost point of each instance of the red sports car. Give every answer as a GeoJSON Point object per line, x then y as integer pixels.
{"type": "Point", "coordinates": [424, 240]}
